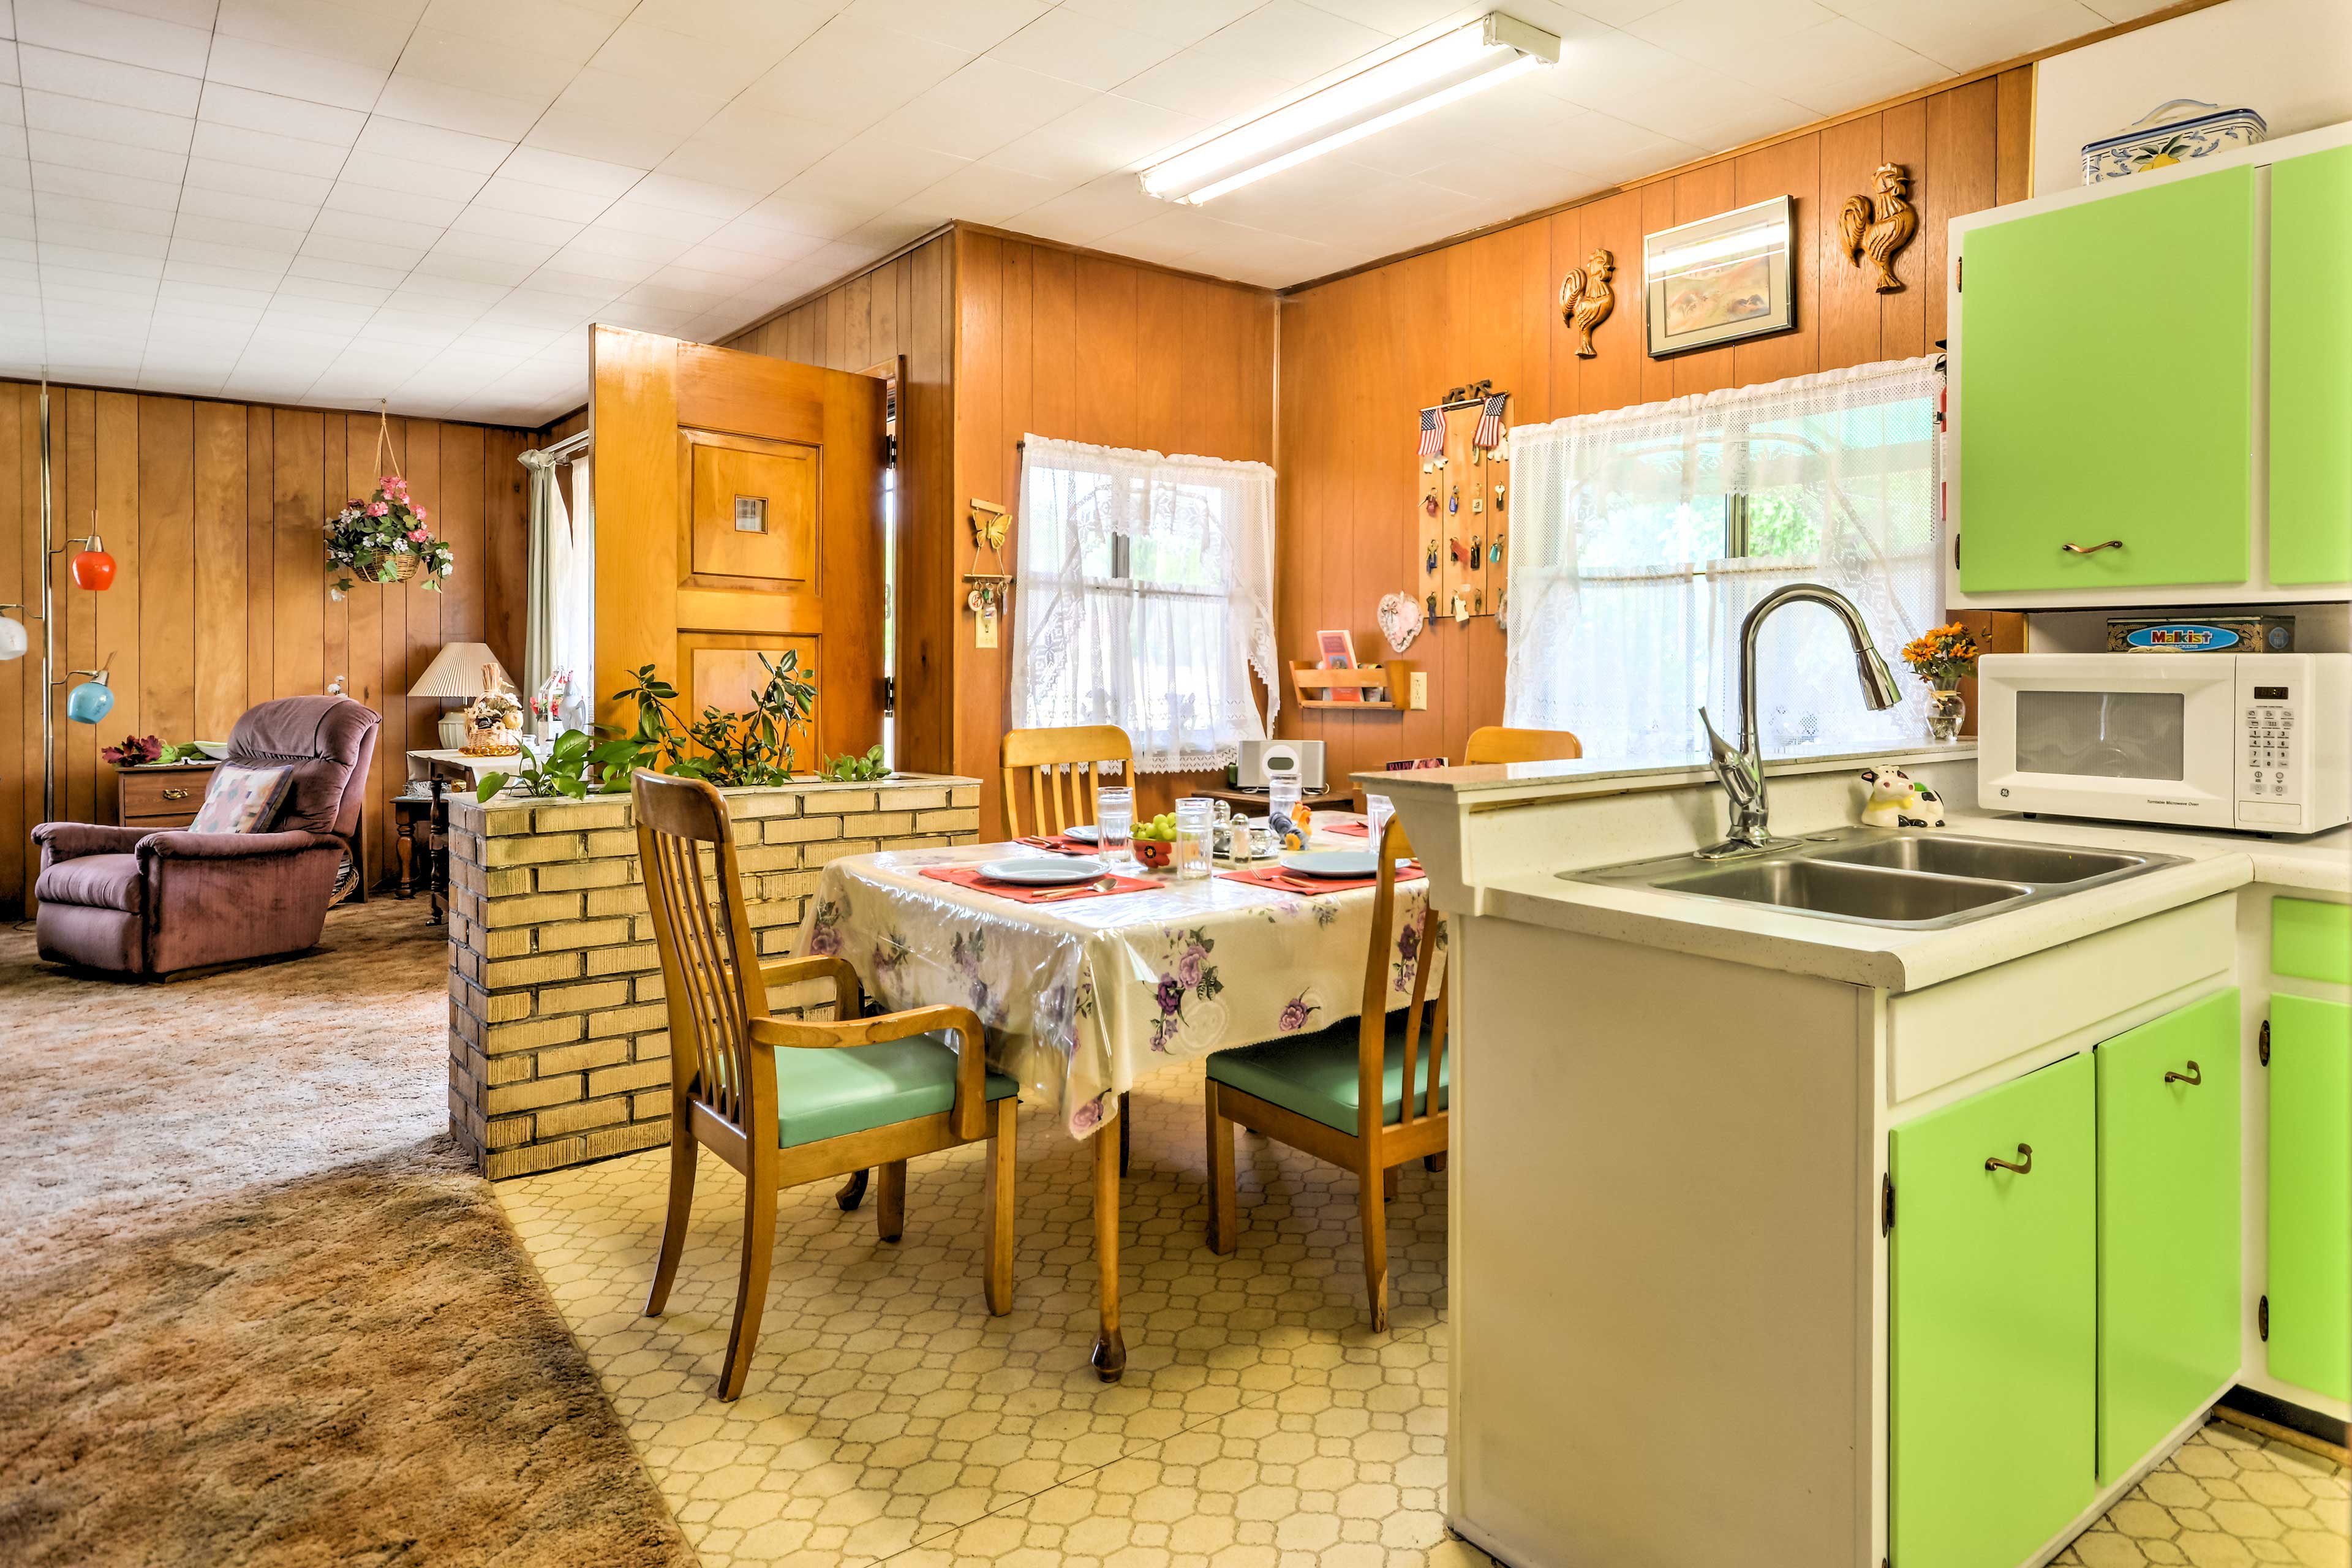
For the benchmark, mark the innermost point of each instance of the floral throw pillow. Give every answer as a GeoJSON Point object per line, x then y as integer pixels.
{"type": "Point", "coordinates": [242, 800]}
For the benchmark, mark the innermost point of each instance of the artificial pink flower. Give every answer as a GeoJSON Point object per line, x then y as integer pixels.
{"type": "Point", "coordinates": [421, 514]}
{"type": "Point", "coordinates": [377, 508]}
{"type": "Point", "coordinates": [417, 536]}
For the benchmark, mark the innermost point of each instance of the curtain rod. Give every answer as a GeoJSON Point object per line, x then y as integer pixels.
{"type": "Point", "coordinates": [569, 449]}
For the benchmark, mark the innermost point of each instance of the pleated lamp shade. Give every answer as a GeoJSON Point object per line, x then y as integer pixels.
{"type": "Point", "coordinates": [457, 671]}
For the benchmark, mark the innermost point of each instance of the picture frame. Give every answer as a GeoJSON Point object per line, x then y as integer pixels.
{"type": "Point", "coordinates": [1721, 279]}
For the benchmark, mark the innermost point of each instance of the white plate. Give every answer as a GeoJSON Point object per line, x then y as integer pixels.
{"type": "Point", "coordinates": [217, 749]}
{"type": "Point", "coordinates": [1043, 873]}
{"type": "Point", "coordinates": [1084, 833]}
{"type": "Point", "coordinates": [1330, 862]}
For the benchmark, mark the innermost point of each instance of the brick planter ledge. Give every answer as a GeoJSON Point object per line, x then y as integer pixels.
{"type": "Point", "coordinates": [559, 1043]}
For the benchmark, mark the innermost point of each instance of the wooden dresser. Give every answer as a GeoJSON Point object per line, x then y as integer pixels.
{"type": "Point", "coordinates": [162, 797]}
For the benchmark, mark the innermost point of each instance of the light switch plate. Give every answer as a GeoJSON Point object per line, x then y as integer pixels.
{"type": "Point", "coordinates": [1417, 689]}
{"type": "Point", "coordinates": [983, 630]}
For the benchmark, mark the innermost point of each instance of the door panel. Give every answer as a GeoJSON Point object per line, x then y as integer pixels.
{"type": "Point", "coordinates": [739, 511]}
{"type": "Point", "coordinates": [2097, 339]}
{"type": "Point", "coordinates": [2310, 1275]}
{"type": "Point", "coordinates": [2311, 342]}
{"type": "Point", "coordinates": [2169, 1257]}
{"type": "Point", "coordinates": [1993, 1327]}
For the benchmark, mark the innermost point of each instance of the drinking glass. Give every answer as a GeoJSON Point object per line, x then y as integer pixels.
{"type": "Point", "coordinates": [1284, 814]}
{"type": "Point", "coordinates": [1195, 837]}
{"type": "Point", "coordinates": [1378, 809]}
{"type": "Point", "coordinates": [1115, 824]}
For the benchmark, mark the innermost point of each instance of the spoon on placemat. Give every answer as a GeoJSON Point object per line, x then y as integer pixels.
{"type": "Point", "coordinates": [1102, 884]}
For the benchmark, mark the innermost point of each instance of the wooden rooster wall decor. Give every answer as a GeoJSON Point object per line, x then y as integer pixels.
{"type": "Point", "coordinates": [1585, 300]}
{"type": "Point", "coordinates": [1879, 228]}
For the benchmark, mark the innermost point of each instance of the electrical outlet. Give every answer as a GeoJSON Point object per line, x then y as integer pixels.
{"type": "Point", "coordinates": [1417, 689]}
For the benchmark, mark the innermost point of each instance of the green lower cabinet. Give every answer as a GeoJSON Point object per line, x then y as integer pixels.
{"type": "Point", "coordinates": [2168, 1199]}
{"type": "Point", "coordinates": [2309, 1278]}
{"type": "Point", "coordinates": [1994, 1321]}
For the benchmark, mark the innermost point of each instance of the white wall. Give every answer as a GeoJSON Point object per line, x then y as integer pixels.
{"type": "Point", "coordinates": [2289, 60]}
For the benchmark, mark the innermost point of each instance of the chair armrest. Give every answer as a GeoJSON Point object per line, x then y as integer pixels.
{"type": "Point", "coordinates": [179, 844]}
{"type": "Point", "coordinates": [849, 996]}
{"type": "Point", "coordinates": [72, 840]}
{"type": "Point", "coordinates": [967, 1116]}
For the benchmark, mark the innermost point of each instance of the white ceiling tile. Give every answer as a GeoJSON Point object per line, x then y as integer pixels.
{"type": "Point", "coordinates": [980, 108]}
{"type": "Point", "coordinates": [106, 81]}
{"type": "Point", "coordinates": [528, 252]}
{"type": "Point", "coordinates": [525, 200]}
{"type": "Point", "coordinates": [246, 109]}
{"type": "Point", "coordinates": [56, 211]}
{"type": "Point", "coordinates": [114, 157]}
{"type": "Point", "coordinates": [327, 244]}
{"type": "Point", "coordinates": [388, 138]}
{"type": "Point", "coordinates": [432, 183]}
{"type": "Point", "coordinates": [644, 51]}
{"type": "Point", "coordinates": [741, 265]}
{"type": "Point", "coordinates": [113, 35]}
{"type": "Point", "coordinates": [400, 217]}
{"type": "Point", "coordinates": [104, 121]}
{"type": "Point", "coordinates": [218, 175]}
{"type": "Point", "coordinates": [260, 238]}
{"type": "Point", "coordinates": [749, 148]}
{"type": "Point", "coordinates": [222, 254]}
{"type": "Point", "coordinates": [630, 215]}
{"type": "Point", "coordinates": [1963, 37]}
{"type": "Point", "coordinates": [292, 73]}
{"type": "Point", "coordinates": [1099, 209]}
{"type": "Point", "coordinates": [971, 25]}
{"type": "Point", "coordinates": [455, 59]}
{"type": "Point", "coordinates": [190, 13]}
{"type": "Point", "coordinates": [9, 75]}
{"type": "Point", "coordinates": [853, 74]}
{"type": "Point", "coordinates": [646, 251]}
{"type": "Point", "coordinates": [264, 151]}
{"type": "Point", "coordinates": [315, 263]}
{"type": "Point", "coordinates": [553, 28]}
{"type": "Point", "coordinates": [107, 249]}
{"type": "Point", "coordinates": [1185, 24]}
{"type": "Point", "coordinates": [238, 208]}
{"type": "Point", "coordinates": [567, 172]}
{"type": "Point", "coordinates": [1719, 33]}
{"type": "Point", "coordinates": [979, 193]}
{"type": "Point", "coordinates": [482, 221]}
{"type": "Point", "coordinates": [425, 102]}
{"type": "Point", "coordinates": [612, 118]}
{"type": "Point", "coordinates": [371, 35]}
{"type": "Point", "coordinates": [298, 286]}
{"type": "Point", "coordinates": [1084, 50]}
{"type": "Point", "coordinates": [106, 187]}
{"type": "Point", "coordinates": [1208, 90]}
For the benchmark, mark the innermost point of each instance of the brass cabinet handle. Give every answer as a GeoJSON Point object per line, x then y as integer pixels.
{"type": "Point", "coordinates": [2192, 1077]}
{"type": "Point", "coordinates": [2025, 1169]}
{"type": "Point", "coordinates": [2092, 549]}
{"type": "Point", "coordinates": [176, 794]}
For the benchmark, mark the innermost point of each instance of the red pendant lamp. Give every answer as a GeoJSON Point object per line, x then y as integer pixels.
{"type": "Point", "coordinates": [93, 568]}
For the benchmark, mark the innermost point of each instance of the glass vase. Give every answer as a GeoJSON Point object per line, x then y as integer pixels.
{"type": "Point", "coordinates": [1945, 708]}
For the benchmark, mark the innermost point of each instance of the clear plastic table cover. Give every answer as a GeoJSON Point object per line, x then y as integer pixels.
{"type": "Point", "coordinates": [1083, 997]}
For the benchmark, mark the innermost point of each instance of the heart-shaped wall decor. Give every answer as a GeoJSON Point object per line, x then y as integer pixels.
{"type": "Point", "coordinates": [1401, 620]}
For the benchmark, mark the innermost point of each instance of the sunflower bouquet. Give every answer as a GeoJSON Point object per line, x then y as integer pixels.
{"type": "Point", "coordinates": [383, 540]}
{"type": "Point", "coordinates": [1943, 657]}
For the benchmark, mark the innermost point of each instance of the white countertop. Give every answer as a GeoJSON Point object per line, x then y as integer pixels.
{"type": "Point", "coordinates": [1524, 884]}
{"type": "Point", "coordinates": [1490, 781]}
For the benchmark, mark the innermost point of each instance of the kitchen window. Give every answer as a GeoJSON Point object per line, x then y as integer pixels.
{"type": "Point", "coordinates": [1144, 597]}
{"type": "Point", "coordinates": [1643, 536]}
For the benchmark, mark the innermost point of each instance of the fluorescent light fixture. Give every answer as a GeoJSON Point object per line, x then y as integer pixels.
{"type": "Point", "coordinates": [1448, 67]}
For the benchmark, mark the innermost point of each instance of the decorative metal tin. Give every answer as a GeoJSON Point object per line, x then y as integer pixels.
{"type": "Point", "coordinates": [2205, 634]}
{"type": "Point", "coordinates": [2171, 133]}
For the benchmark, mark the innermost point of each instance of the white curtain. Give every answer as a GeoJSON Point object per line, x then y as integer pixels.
{"type": "Point", "coordinates": [1144, 596]}
{"type": "Point", "coordinates": [1625, 607]}
{"type": "Point", "coordinates": [560, 600]}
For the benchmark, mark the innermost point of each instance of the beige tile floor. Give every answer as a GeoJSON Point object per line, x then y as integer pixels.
{"type": "Point", "coordinates": [1260, 1424]}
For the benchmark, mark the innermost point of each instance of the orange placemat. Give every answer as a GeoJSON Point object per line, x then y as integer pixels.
{"type": "Point", "coordinates": [1284, 881]}
{"type": "Point", "coordinates": [970, 877]}
{"type": "Point", "coordinates": [1348, 829]}
{"type": "Point", "coordinates": [1059, 844]}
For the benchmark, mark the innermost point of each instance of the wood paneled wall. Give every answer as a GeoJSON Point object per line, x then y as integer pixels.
{"type": "Point", "coordinates": [1362, 353]}
{"type": "Point", "coordinates": [213, 511]}
{"type": "Point", "coordinates": [1001, 335]}
{"type": "Point", "coordinates": [1083, 347]}
{"type": "Point", "coordinates": [902, 310]}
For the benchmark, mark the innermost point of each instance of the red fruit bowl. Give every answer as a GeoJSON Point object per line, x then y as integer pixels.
{"type": "Point", "coordinates": [1153, 852]}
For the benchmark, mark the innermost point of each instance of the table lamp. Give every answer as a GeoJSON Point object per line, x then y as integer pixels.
{"type": "Point", "coordinates": [456, 671]}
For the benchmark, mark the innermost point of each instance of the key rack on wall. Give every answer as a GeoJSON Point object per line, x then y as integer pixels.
{"type": "Point", "coordinates": [1464, 500]}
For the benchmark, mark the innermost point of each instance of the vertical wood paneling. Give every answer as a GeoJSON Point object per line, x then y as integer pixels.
{"type": "Point", "coordinates": [222, 579]}
{"type": "Point", "coordinates": [19, 586]}
{"type": "Point", "coordinates": [167, 554]}
{"type": "Point", "coordinates": [116, 452]}
{"type": "Point", "coordinates": [1360, 354]}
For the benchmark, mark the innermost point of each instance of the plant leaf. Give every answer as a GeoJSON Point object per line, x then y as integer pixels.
{"type": "Point", "coordinates": [489, 785]}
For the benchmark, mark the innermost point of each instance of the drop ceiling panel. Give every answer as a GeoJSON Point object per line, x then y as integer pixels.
{"type": "Point", "coordinates": [427, 200]}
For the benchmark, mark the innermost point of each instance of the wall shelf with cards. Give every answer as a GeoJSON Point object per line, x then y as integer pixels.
{"type": "Point", "coordinates": [1316, 686]}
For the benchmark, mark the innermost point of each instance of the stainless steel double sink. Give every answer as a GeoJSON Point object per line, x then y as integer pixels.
{"type": "Point", "coordinates": [1906, 880]}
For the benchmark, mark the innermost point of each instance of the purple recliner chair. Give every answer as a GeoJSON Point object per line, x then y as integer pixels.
{"type": "Point", "coordinates": [151, 903]}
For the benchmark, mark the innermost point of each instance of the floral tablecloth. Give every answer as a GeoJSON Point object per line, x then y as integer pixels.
{"type": "Point", "coordinates": [1082, 998]}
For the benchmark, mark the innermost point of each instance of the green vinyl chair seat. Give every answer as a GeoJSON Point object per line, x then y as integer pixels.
{"type": "Point", "coordinates": [833, 1091]}
{"type": "Point", "coordinates": [1314, 1075]}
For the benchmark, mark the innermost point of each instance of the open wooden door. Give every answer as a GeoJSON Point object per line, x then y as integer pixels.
{"type": "Point", "coordinates": [739, 512]}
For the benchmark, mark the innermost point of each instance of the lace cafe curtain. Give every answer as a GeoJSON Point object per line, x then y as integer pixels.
{"type": "Point", "coordinates": [1144, 597]}
{"type": "Point", "coordinates": [1640, 538]}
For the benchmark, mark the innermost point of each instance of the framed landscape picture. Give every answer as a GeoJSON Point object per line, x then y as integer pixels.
{"type": "Point", "coordinates": [1719, 279]}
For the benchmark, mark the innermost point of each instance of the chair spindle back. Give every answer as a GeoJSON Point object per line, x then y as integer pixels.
{"type": "Point", "coordinates": [1058, 762]}
{"type": "Point", "coordinates": [1371, 1041]}
{"type": "Point", "coordinates": [710, 968]}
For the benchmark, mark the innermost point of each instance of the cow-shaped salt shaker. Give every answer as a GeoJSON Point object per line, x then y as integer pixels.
{"type": "Point", "coordinates": [1897, 800]}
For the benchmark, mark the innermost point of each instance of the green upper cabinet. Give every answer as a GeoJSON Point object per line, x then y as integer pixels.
{"type": "Point", "coordinates": [2106, 380]}
{"type": "Point", "coordinates": [2311, 369]}
{"type": "Point", "coordinates": [2309, 1280]}
{"type": "Point", "coordinates": [2169, 1259]}
{"type": "Point", "coordinates": [1993, 1321]}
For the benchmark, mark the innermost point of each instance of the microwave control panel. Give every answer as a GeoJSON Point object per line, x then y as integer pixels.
{"type": "Point", "coordinates": [2269, 767]}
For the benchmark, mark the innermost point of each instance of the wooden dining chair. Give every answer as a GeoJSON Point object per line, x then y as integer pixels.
{"type": "Point", "coordinates": [1494, 743]}
{"type": "Point", "coordinates": [789, 1101]}
{"type": "Point", "coordinates": [1058, 761]}
{"type": "Point", "coordinates": [1360, 1093]}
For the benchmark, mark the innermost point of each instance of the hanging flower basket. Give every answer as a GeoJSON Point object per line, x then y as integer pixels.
{"type": "Point", "coordinates": [384, 538]}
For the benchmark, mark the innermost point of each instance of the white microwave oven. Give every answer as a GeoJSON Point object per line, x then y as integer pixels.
{"type": "Point", "coordinates": [2256, 742]}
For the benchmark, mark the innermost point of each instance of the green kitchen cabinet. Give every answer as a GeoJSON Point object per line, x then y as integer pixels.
{"type": "Point", "coordinates": [2106, 375]}
{"type": "Point", "coordinates": [2312, 940]}
{"type": "Point", "coordinates": [2311, 369]}
{"type": "Point", "coordinates": [1993, 1321]}
{"type": "Point", "coordinates": [2309, 1280]}
{"type": "Point", "coordinates": [2169, 1249]}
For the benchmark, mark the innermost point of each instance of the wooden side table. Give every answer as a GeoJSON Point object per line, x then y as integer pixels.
{"type": "Point", "coordinates": [162, 796]}
{"type": "Point", "coordinates": [1253, 801]}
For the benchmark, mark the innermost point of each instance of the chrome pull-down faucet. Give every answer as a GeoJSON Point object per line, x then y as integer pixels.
{"type": "Point", "coordinates": [1742, 771]}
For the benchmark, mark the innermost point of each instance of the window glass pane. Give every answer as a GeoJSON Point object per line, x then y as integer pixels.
{"type": "Point", "coordinates": [1781, 523]}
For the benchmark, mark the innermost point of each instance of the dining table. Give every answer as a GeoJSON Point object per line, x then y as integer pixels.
{"type": "Point", "coordinates": [1081, 996]}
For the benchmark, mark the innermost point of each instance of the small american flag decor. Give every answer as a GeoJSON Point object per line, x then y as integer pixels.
{"type": "Point", "coordinates": [1432, 433]}
{"type": "Point", "coordinates": [1490, 421]}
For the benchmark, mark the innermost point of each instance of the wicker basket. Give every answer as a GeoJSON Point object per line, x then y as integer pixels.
{"type": "Point", "coordinates": [404, 566]}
